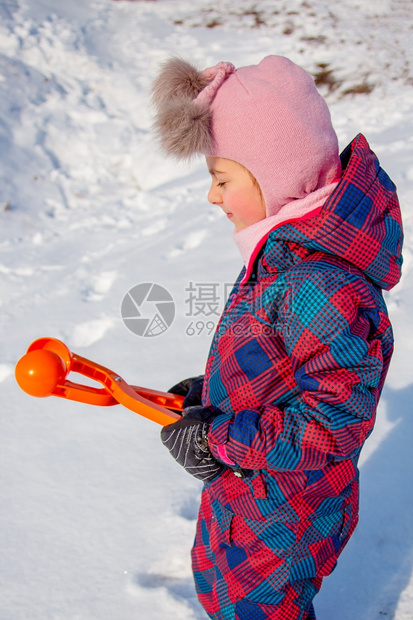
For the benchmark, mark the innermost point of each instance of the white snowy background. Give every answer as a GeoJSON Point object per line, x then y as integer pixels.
{"type": "Point", "coordinates": [96, 520]}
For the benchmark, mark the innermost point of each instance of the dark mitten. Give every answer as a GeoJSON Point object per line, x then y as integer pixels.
{"type": "Point", "coordinates": [187, 441]}
{"type": "Point", "coordinates": [190, 388]}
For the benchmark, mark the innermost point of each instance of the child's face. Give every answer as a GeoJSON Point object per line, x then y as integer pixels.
{"type": "Point", "coordinates": [235, 190]}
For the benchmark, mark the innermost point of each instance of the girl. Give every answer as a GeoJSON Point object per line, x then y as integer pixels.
{"type": "Point", "coordinates": [300, 355]}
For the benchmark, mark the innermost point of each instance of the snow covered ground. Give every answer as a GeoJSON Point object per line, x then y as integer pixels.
{"type": "Point", "coordinates": [96, 521]}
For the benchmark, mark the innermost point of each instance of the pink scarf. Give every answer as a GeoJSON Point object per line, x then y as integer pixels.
{"type": "Point", "coordinates": [251, 239]}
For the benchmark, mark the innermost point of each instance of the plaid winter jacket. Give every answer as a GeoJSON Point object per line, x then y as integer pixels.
{"type": "Point", "coordinates": [297, 366]}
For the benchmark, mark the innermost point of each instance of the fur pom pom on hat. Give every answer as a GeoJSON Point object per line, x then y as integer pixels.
{"type": "Point", "coordinates": [268, 117]}
{"type": "Point", "coordinates": [182, 97]}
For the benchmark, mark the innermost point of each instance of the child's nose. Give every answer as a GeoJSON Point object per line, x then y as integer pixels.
{"type": "Point", "coordinates": [214, 195]}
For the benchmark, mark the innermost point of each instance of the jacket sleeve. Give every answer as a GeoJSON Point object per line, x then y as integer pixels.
{"type": "Point", "coordinates": [338, 367]}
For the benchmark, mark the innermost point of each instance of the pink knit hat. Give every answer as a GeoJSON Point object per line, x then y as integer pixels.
{"type": "Point", "coordinates": [268, 117]}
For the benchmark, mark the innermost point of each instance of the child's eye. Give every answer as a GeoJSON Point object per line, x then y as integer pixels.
{"type": "Point", "coordinates": [221, 183]}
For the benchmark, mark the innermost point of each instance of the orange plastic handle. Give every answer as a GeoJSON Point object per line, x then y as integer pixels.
{"type": "Point", "coordinates": [42, 371]}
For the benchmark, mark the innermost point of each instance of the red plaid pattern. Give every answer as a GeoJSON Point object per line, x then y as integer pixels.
{"type": "Point", "coordinates": [297, 366]}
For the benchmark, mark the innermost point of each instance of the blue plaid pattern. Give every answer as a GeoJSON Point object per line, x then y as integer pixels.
{"type": "Point", "coordinates": [297, 366]}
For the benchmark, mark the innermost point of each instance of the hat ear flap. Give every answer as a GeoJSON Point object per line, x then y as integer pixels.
{"type": "Point", "coordinates": [177, 80]}
{"type": "Point", "coordinates": [184, 128]}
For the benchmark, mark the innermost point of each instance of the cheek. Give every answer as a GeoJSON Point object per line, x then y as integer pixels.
{"type": "Point", "coordinates": [236, 198]}
{"type": "Point", "coordinates": [249, 204]}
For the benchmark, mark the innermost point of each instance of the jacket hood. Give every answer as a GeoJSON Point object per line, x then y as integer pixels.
{"type": "Point", "coordinates": [360, 222]}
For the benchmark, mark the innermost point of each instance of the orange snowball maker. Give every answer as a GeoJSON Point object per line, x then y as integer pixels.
{"type": "Point", "coordinates": [42, 371]}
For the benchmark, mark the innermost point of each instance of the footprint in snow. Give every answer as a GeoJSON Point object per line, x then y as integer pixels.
{"type": "Point", "coordinates": [5, 371]}
{"type": "Point", "coordinates": [188, 508]}
{"type": "Point", "coordinates": [100, 285]}
{"type": "Point", "coordinates": [191, 241]}
{"type": "Point", "coordinates": [154, 228]}
{"type": "Point", "coordinates": [21, 272]}
{"type": "Point", "coordinates": [86, 334]}
{"type": "Point", "coordinates": [181, 589]}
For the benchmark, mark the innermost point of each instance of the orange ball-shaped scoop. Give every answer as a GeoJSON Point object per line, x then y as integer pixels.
{"type": "Point", "coordinates": [38, 372]}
